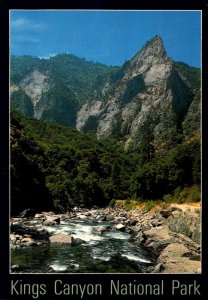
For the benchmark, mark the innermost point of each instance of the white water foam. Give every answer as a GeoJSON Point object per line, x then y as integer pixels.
{"type": "Point", "coordinates": [117, 235]}
{"type": "Point", "coordinates": [87, 237]}
{"type": "Point", "coordinates": [136, 258]}
{"type": "Point", "coordinates": [105, 258]}
{"type": "Point", "coordinates": [84, 232]}
{"type": "Point", "coordinates": [76, 266]}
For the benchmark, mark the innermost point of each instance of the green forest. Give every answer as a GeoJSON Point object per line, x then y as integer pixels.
{"type": "Point", "coordinates": [77, 76]}
{"type": "Point", "coordinates": [55, 167]}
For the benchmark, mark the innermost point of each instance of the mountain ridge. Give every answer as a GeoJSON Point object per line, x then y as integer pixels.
{"type": "Point", "coordinates": [150, 95]}
{"type": "Point", "coordinates": [148, 90]}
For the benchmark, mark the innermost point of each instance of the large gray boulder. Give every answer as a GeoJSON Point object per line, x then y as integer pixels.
{"type": "Point", "coordinates": [61, 238]}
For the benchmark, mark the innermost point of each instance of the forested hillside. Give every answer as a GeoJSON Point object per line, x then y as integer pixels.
{"type": "Point", "coordinates": [54, 89]}
{"type": "Point", "coordinates": [57, 167]}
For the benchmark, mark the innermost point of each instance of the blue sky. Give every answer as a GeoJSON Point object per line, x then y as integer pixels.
{"type": "Point", "coordinates": [109, 37]}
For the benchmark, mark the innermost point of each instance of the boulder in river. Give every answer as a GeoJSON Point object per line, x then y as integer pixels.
{"type": "Point", "coordinates": [39, 216]}
{"type": "Point", "coordinates": [49, 223]}
{"type": "Point", "coordinates": [15, 267]}
{"type": "Point", "coordinates": [54, 218]}
{"type": "Point", "coordinates": [110, 218]}
{"type": "Point", "coordinates": [77, 241]}
{"type": "Point", "coordinates": [51, 220]}
{"type": "Point", "coordinates": [100, 218]}
{"type": "Point", "coordinates": [102, 229]}
{"type": "Point", "coordinates": [81, 216]}
{"type": "Point", "coordinates": [26, 239]}
{"type": "Point", "coordinates": [120, 227]}
{"type": "Point", "coordinates": [61, 238]}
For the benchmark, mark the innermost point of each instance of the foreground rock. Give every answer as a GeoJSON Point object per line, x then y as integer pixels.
{"type": "Point", "coordinates": [61, 239]}
{"type": "Point", "coordinates": [120, 227]}
{"type": "Point", "coordinates": [176, 259]}
{"type": "Point", "coordinates": [171, 234]}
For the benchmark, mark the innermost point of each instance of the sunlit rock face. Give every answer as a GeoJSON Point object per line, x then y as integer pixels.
{"type": "Point", "coordinates": [146, 97]}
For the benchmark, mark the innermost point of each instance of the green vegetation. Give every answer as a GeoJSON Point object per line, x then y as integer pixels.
{"type": "Point", "coordinates": [21, 102]}
{"type": "Point", "coordinates": [184, 195]}
{"type": "Point", "coordinates": [191, 74]}
{"type": "Point", "coordinates": [72, 81]}
{"type": "Point", "coordinates": [57, 166]}
{"type": "Point", "coordinates": [176, 167]}
{"type": "Point", "coordinates": [81, 77]}
{"type": "Point", "coordinates": [180, 195]}
{"type": "Point", "coordinates": [75, 168]}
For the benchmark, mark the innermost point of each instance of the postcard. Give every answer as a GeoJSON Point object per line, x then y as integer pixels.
{"type": "Point", "coordinates": [102, 169]}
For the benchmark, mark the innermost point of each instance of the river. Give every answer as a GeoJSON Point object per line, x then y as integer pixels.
{"type": "Point", "coordinates": [97, 250]}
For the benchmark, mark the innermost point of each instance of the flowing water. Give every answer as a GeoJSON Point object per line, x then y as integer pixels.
{"type": "Point", "coordinates": [109, 252]}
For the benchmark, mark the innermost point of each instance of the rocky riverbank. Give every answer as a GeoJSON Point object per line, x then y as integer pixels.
{"type": "Point", "coordinates": [171, 236]}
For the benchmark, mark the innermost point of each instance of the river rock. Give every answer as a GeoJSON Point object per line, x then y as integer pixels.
{"type": "Point", "coordinates": [30, 243]}
{"type": "Point", "coordinates": [12, 238]}
{"type": "Point", "coordinates": [157, 234]}
{"type": "Point", "coordinates": [77, 241]}
{"type": "Point", "coordinates": [100, 218]}
{"type": "Point", "coordinates": [88, 214]}
{"type": "Point", "coordinates": [61, 239]}
{"type": "Point", "coordinates": [158, 268]}
{"type": "Point", "coordinates": [196, 235]}
{"type": "Point", "coordinates": [49, 223]}
{"type": "Point", "coordinates": [132, 222]}
{"type": "Point", "coordinates": [54, 218]}
{"type": "Point", "coordinates": [26, 239]}
{"type": "Point", "coordinates": [39, 216]}
{"type": "Point", "coordinates": [110, 218]}
{"type": "Point", "coordinates": [139, 238]}
{"type": "Point", "coordinates": [120, 227]}
{"type": "Point", "coordinates": [157, 247]}
{"type": "Point", "coordinates": [13, 247]}
{"type": "Point", "coordinates": [17, 227]}
{"type": "Point", "coordinates": [146, 226]}
{"type": "Point", "coordinates": [156, 223]}
{"type": "Point", "coordinates": [82, 216]}
{"type": "Point", "coordinates": [103, 229]}
{"type": "Point", "coordinates": [186, 223]}
{"type": "Point", "coordinates": [174, 260]}
{"type": "Point", "coordinates": [75, 208]}
{"type": "Point", "coordinates": [121, 219]}
{"type": "Point", "coordinates": [15, 267]}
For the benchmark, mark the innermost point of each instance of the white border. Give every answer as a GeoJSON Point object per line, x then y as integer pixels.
{"type": "Point", "coordinates": [104, 10]}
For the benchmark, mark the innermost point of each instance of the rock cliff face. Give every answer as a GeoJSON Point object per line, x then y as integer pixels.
{"type": "Point", "coordinates": [146, 99]}
{"type": "Point", "coordinates": [33, 86]}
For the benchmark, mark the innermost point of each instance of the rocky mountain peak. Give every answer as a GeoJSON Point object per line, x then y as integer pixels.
{"type": "Point", "coordinates": [151, 61]}
{"type": "Point", "coordinates": [156, 41]}
{"type": "Point", "coordinates": [146, 102]}
{"type": "Point", "coordinates": [153, 47]}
